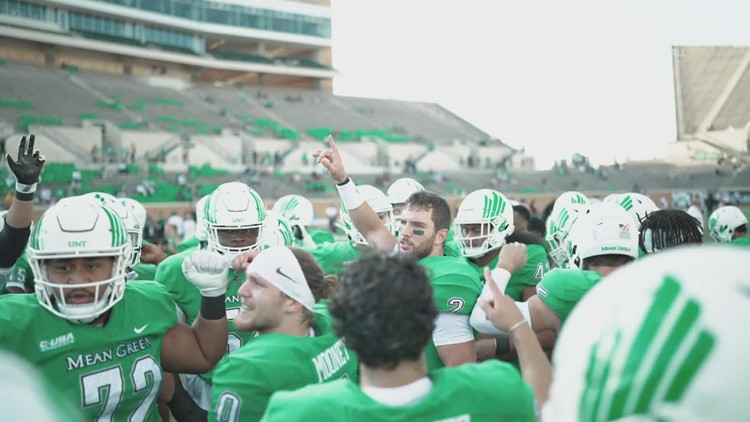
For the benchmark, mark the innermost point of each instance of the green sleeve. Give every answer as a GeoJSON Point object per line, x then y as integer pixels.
{"type": "Point", "coordinates": [451, 249]}
{"type": "Point", "coordinates": [456, 289]}
{"type": "Point", "coordinates": [169, 274]}
{"type": "Point", "coordinates": [562, 289]}
{"type": "Point", "coordinates": [321, 236]}
{"type": "Point", "coordinates": [145, 271]}
{"type": "Point", "coordinates": [332, 257]}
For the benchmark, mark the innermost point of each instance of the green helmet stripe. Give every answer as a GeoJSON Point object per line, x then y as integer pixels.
{"type": "Point", "coordinates": [486, 209]}
{"type": "Point", "coordinates": [627, 203]}
{"type": "Point", "coordinates": [112, 225]}
{"type": "Point", "coordinates": [293, 202]}
{"type": "Point", "coordinates": [259, 205]}
{"type": "Point", "coordinates": [630, 397]}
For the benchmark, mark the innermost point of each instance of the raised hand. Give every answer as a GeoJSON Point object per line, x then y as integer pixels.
{"type": "Point", "coordinates": [242, 260]}
{"type": "Point", "coordinates": [152, 254]}
{"type": "Point", "coordinates": [331, 160]}
{"type": "Point", "coordinates": [208, 271]}
{"type": "Point", "coordinates": [27, 166]}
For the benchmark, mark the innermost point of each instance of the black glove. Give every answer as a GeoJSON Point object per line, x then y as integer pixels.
{"type": "Point", "coordinates": [27, 168]}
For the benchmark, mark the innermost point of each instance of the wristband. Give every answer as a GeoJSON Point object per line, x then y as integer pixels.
{"type": "Point", "coordinates": [502, 346]}
{"type": "Point", "coordinates": [516, 325]}
{"type": "Point", "coordinates": [349, 195]}
{"type": "Point", "coordinates": [213, 308]}
{"type": "Point", "coordinates": [25, 192]}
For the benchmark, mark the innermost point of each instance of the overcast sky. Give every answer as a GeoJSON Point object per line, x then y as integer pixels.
{"type": "Point", "coordinates": [555, 77]}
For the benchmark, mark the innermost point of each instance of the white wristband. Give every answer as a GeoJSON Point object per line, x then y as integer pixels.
{"type": "Point", "coordinates": [20, 187]}
{"type": "Point", "coordinates": [350, 196]}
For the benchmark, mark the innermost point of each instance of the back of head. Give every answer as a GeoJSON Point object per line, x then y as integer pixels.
{"type": "Point", "coordinates": [664, 229]}
{"type": "Point", "coordinates": [725, 221]}
{"type": "Point", "coordinates": [384, 309]}
{"type": "Point", "coordinates": [602, 229]}
{"type": "Point", "coordinates": [441, 211]}
{"type": "Point", "coordinates": [656, 340]}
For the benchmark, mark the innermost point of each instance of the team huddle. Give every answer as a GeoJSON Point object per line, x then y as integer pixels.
{"type": "Point", "coordinates": [417, 315]}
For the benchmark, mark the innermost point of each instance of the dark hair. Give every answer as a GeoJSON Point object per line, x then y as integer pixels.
{"type": "Point", "coordinates": [322, 286]}
{"type": "Point", "coordinates": [609, 260]}
{"type": "Point", "coordinates": [548, 211]}
{"type": "Point", "coordinates": [521, 209]}
{"type": "Point", "coordinates": [384, 309]}
{"type": "Point", "coordinates": [441, 211]}
{"type": "Point", "coordinates": [741, 229]}
{"type": "Point", "coordinates": [536, 224]}
{"type": "Point", "coordinates": [669, 228]}
{"type": "Point", "coordinates": [526, 237]}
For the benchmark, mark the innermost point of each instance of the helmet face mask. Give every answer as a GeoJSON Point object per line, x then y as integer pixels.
{"type": "Point", "coordinates": [724, 221]}
{"type": "Point", "coordinates": [483, 222]}
{"type": "Point", "coordinates": [79, 228]}
{"type": "Point", "coordinates": [234, 211]}
{"type": "Point", "coordinates": [559, 225]}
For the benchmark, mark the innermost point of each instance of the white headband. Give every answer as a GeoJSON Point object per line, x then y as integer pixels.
{"type": "Point", "coordinates": [279, 266]}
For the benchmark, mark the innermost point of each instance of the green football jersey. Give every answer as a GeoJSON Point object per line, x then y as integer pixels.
{"type": "Point", "coordinates": [562, 289]}
{"type": "Point", "coordinates": [112, 372]}
{"type": "Point", "coordinates": [244, 380]}
{"type": "Point", "coordinates": [332, 257]}
{"type": "Point", "coordinates": [489, 391]}
{"type": "Point", "coordinates": [145, 271]}
{"type": "Point", "coordinates": [456, 287]}
{"type": "Point", "coordinates": [741, 241]}
{"type": "Point", "coordinates": [188, 298]}
{"type": "Point", "coordinates": [20, 275]}
{"type": "Point", "coordinates": [188, 244]}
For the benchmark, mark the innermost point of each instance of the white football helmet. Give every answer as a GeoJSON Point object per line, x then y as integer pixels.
{"type": "Point", "coordinates": [655, 341]}
{"type": "Point", "coordinates": [638, 205]}
{"type": "Point", "coordinates": [558, 224]}
{"type": "Point", "coordinates": [79, 228]}
{"type": "Point", "coordinates": [602, 229]}
{"type": "Point", "coordinates": [234, 206]}
{"type": "Point", "coordinates": [201, 226]}
{"type": "Point", "coordinates": [493, 212]}
{"type": "Point", "coordinates": [724, 221]}
{"type": "Point", "coordinates": [612, 197]}
{"type": "Point", "coordinates": [132, 225]}
{"type": "Point", "coordinates": [571, 199]}
{"type": "Point", "coordinates": [276, 232]}
{"type": "Point", "coordinates": [378, 202]}
{"type": "Point", "coordinates": [401, 190]}
{"type": "Point", "coordinates": [138, 210]}
{"type": "Point", "coordinates": [296, 209]}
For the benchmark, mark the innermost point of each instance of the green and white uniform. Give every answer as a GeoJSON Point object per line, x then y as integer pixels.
{"type": "Point", "coordinates": [562, 289]}
{"type": "Point", "coordinates": [456, 287]}
{"type": "Point", "coordinates": [245, 380]}
{"type": "Point", "coordinates": [489, 391]}
{"type": "Point", "coordinates": [332, 257]}
{"type": "Point", "coordinates": [529, 275]}
{"type": "Point", "coordinates": [741, 241]}
{"type": "Point", "coordinates": [21, 275]}
{"type": "Point", "coordinates": [112, 372]}
{"type": "Point", "coordinates": [321, 236]}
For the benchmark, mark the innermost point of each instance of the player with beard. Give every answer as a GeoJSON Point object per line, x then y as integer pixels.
{"type": "Point", "coordinates": [294, 345]}
{"type": "Point", "coordinates": [423, 231]}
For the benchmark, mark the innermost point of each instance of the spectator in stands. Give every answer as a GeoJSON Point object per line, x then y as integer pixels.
{"type": "Point", "coordinates": [331, 213]}
{"type": "Point", "coordinates": [255, 158]}
{"type": "Point", "coordinates": [188, 226]}
{"type": "Point", "coordinates": [185, 155]}
{"type": "Point", "coordinates": [94, 154]}
{"type": "Point", "coordinates": [305, 159]}
{"type": "Point", "coordinates": [132, 152]}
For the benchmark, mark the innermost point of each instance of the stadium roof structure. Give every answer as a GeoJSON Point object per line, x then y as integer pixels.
{"type": "Point", "coordinates": [712, 84]}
